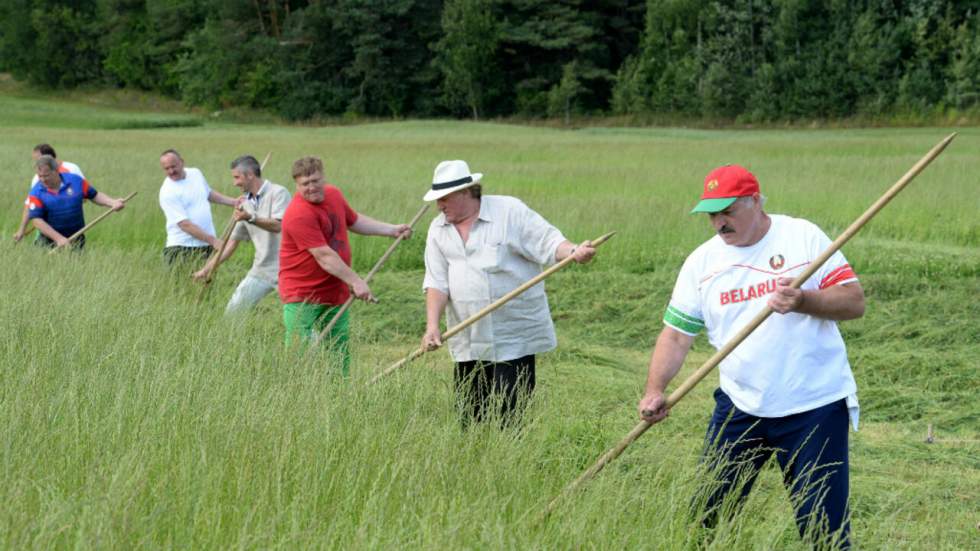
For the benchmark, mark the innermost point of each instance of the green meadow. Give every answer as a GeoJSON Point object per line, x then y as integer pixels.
{"type": "Point", "coordinates": [131, 416]}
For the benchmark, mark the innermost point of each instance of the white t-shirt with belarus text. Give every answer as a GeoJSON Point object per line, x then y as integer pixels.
{"type": "Point", "coordinates": [791, 363]}
{"type": "Point", "coordinates": [186, 199]}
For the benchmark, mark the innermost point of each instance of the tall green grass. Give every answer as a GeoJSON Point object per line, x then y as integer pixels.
{"type": "Point", "coordinates": [131, 416]}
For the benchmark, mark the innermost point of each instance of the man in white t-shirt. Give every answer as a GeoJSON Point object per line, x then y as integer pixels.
{"type": "Point", "coordinates": [63, 167]}
{"type": "Point", "coordinates": [788, 388]}
{"type": "Point", "coordinates": [257, 219]}
{"type": "Point", "coordinates": [184, 199]}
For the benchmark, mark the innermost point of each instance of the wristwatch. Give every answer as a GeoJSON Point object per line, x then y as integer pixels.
{"type": "Point", "coordinates": [253, 218]}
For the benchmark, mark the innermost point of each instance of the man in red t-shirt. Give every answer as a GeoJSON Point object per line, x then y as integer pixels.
{"type": "Point", "coordinates": [315, 276]}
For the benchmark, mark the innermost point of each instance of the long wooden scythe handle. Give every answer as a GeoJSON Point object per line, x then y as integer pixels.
{"type": "Point", "coordinates": [725, 350]}
{"type": "Point", "coordinates": [370, 275]}
{"type": "Point", "coordinates": [491, 307]}
{"type": "Point", "coordinates": [88, 226]}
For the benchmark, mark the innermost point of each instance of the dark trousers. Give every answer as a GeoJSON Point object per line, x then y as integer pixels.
{"type": "Point", "coordinates": [182, 255]}
{"type": "Point", "coordinates": [482, 385]}
{"type": "Point", "coordinates": [811, 448]}
{"type": "Point", "coordinates": [44, 241]}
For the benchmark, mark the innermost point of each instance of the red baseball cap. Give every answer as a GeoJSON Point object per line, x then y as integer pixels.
{"type": "Point", "coordinates": [723, 185]}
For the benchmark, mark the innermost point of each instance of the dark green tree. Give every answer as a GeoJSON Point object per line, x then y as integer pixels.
{"type": "Point", "coordinates": [391, 69]}
{"type": "Point", "coordinates": [51, 43]}
{"type": "Point", "coordinates": [963, 89]}
{"type": "Point", "coordinates": [16, 38]}
{"type": "Point", "coordinates": [466, 55]}
{"type": "Point", "coordinates": [142, 40]}
{"type": "Point", "coordinates": [360, 57]}
{"type": "Point", "coordinates": [664, 76]}
{"type": "Point", "coordinates": [230, 60]}
{"type": "Point", "coordinates": [539, 38]}
{"type": "Point", "coordinates": [562, 96]}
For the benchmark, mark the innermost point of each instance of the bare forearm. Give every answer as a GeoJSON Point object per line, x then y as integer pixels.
{"type": "Point", "coordinates": [365, 225]}
{"type": "Point", "coordinates": [221, 199]}
{"type": "Point", "coordinates": [838, 303]}
{"type": "Point", "coordinates": [331, 263]}
{"type": "Point", "coordinates": [268, 224]}
{"type": "Point", "coordinates": [215, 260]}
{"type": "Point", "coordinates": [583, 252]}
{"type": "Point", "coordinates": [435, 304]}
{"type": "Point", "coordinates": [24, 220]}
{"type": "Point", "coordinates": [668, 357]}
{"type": "Point", "coordinates": [564, 250]}
{"type": "Point", "coordinates": [226, 254]}
{"type": "Point", "coordinates": [196, 232]}
{"type": "Point", "coordinates": [47, 230]}
{"type": "Point", "coordinates": [103, 200]}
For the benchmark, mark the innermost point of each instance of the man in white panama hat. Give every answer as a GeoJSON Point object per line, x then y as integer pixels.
{"type": "Point", "coordinates": [477, 250]}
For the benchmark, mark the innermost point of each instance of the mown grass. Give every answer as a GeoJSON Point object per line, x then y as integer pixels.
{"type": "Point", "coordinates": [21, 105]}
{"type": "Point", "coordinates": [130, 416]}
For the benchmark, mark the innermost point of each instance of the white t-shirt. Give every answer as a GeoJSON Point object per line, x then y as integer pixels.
{"type": "Point", "coordinates": [789, 364]}
{"type": "Point", "coordinates": [186, 199]}
{"type": "Point", "coordinates": [63, 166]}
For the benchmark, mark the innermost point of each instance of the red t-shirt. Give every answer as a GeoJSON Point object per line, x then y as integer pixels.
{"type": "Point", "coordinates": [307, 226]}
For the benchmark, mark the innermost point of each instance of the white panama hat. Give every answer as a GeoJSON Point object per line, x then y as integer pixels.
{"type": "Point", "coordinates": [451, 176]}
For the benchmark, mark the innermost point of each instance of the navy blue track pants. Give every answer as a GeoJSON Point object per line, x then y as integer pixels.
{"type": "Point", "coordinates": [811, 449]}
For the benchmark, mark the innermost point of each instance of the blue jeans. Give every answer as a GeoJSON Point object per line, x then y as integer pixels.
{"type": "Point", "coordinates": [811, 449]}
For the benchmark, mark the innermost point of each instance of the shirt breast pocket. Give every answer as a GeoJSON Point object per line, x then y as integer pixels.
{"type": "Point", "coordinates": [488, 257]}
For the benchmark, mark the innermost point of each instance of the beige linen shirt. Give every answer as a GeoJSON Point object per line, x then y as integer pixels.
{"type": "Point", "coordinates": [270, 202]}
{"type": "Point", "coordinates": [508, 245]}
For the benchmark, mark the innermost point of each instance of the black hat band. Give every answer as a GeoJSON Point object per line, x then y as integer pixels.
{"type": "Point", "coordinates": [454, 183]}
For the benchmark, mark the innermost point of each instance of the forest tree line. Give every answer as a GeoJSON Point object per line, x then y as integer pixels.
{"type": "Point", "coordinates": [749, 60]}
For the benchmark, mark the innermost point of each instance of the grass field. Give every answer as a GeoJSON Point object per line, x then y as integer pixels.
{"type": "Point", "coordinates": [130, 416]}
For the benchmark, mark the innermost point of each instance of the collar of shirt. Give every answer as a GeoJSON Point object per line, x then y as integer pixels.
{"type": "Point", "coordinates": [484, 215]}
{"type": "Point", "coordinates": [254, 198]}
{"type": "Point", "coordinates": [61, 186]}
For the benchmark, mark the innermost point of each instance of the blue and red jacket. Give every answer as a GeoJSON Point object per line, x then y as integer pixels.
{"type": "Point", "coordinates": [63, 209]}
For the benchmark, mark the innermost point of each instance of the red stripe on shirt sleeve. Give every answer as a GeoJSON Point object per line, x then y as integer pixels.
{"type": "Point", "coordinates": [33, 201]}
{"type": "Point", "coordinates": [840, 275]}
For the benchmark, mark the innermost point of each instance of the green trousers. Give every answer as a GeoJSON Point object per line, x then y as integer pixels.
{"type": "Point", "coordinates": [305, 321]}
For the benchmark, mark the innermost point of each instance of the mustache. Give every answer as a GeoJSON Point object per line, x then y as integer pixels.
{"type": "Point", "coordinates": [726, 229]}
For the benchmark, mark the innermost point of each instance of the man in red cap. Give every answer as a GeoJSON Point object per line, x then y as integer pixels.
{"type": "Point", "coordinates": [787, 389]}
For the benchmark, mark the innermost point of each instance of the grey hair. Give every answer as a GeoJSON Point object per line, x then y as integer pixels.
{"type": "Point", "coordinates": [247, 163]}
{"type": "Point", "coordinates": [762, 199]}
{"type": "Point", "coordinates": [48, 161]}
